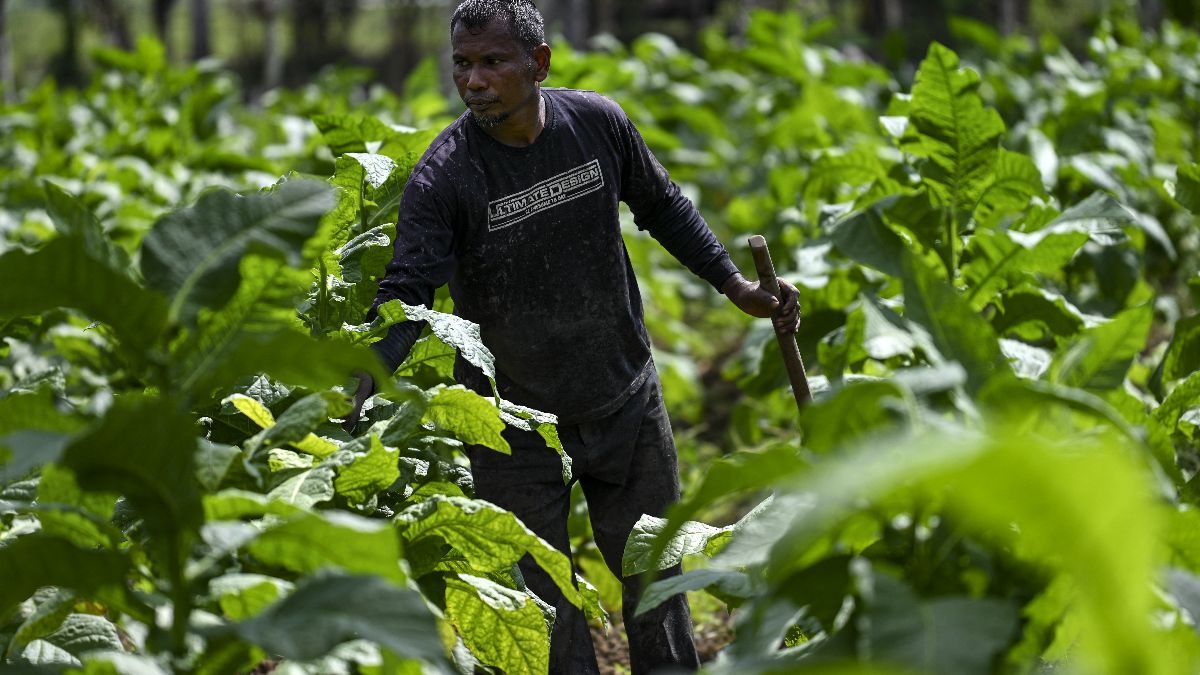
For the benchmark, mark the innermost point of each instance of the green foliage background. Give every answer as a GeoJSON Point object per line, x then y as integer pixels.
{"type": "Point", "coordinates": [999, 267]}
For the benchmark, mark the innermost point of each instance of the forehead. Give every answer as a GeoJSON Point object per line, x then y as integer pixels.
{"type": "Point", "coordinates": [495, 36]}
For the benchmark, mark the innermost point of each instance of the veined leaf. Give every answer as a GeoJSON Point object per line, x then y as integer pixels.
{"type": "Point", "coordinates": [951, 129]}
{"type": "Point", "coordinates": [82, 633]}
{"type": "Point", "coordinates": [377, 167]}
{"type": "Point", "coordinates": [959, 333]}
{"type": "Point", "coordinates": [82, 518]}
{"type": "Point", "coordinates": [1099, 215]}
{"type": "Point", "coordinates": [242, 596]}
{"type": "Point", "coordinates": [1101, 355]}
{"type": "Point", "coordinates": [154, 469]}
{"type": "Point", "coordinates": [490, 538]}
{"type": "Point", "coordinates": [503, 627]}
{"type": "Point", "coordinates": [691, 537]}
{"type": "Point", "coordinates": [307, 542]}
{"type": "Point", "coordinates": [729, 582]}
{"type": "Point", "coordinates": [949, 635]}
{"type": "Point", "coordinates": [51, 607]}
{"type": "Point", "coordinates": [193, 254]}
{"type": "Point", "coordinates": [1183, 397]}
{"type": "Point", "coordinates": [470, 417]}
{"type": "Point", "coordinates": [454, 330]}
{"type": "Point", "coordinates": [329, 610]}
{"type": "Point", "coordinates": [370, 472]}
{"type": "Point", "coordinates": [1014, 181]}
{"type": "Point", "coordinates": [295, 426]}
{"type": "Point", "coordinates": [63, 274]}
{"type": "Point", "coordinates": [264, 302]}
{"type": "Point", "coordinates": [1187, 187]}
{"type": "Point", "coordinates": [73, 219]}
{"type": "Point", "coordinates": [31, 562]}
{"type": "Point", "coordinates": [288, 356]}
{"type": "Point", "coordinates": [1000, 258]}
{"type": "Point", "coordinates": [1183, 355]}
{"type": "Point", "coordinates": [863, 237]}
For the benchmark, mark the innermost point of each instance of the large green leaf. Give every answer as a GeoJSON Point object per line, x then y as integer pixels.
{"type": "Point", "coordinates": [73, 219]}
{"type": "Point", "coordinates": [295, 426]}
{"type": "Point", "coordinates": [143, 449]}
{"type": "Point", "coordinates": [863, 237]}
{"type": "Point", "coordinates": [999, 259]}
{"type": "Point", "coordinates": [307, 542]}
{"type": "Point", "coordinates": [288, 356]}
{"type": "Point", "coordinates": [503, 628]}
{"type": "Point", "coordinates": [369, 473]}
{"type": "Point", "coordinates": [328, 610]}
{"type": "Point", "coordinates": [469, 416]}
{"type": "Point", "coordinates": [488, 537]}
{"type": "Point", "coordinates": [193, 254]}
{"type": "Point", "coordinates": [1187, 187]}
{"type": "Point", "coordinates": [1101, 355]}
{"type": "Point", "coordinates": [64, 274]}
{"type": "Point", "coordinates": [1014, 181]}
{"type": "Point", "coordinates": [730, 583]}
{"type": "Point", "coordinates": [691, 537]}
{"type": "Point", "coordinates": [34, 561]}
{"type": "Point", "coordinates": [241, 596]}
{"type": "Point", "coordinates": [945, 636]}
{"type": "Point", "coordinates": [958, 332]}
{"type": "Point", "coordinates": [1183, 355]}
{"type": "Point", "coordinates": [953, 131]}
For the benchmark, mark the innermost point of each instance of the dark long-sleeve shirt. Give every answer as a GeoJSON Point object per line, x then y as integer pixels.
{"type": "Point", "coordinates": [529, 240]}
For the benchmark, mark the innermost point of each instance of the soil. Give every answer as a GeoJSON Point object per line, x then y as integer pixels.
{"type": "Point", "coordinates": [612, 649]}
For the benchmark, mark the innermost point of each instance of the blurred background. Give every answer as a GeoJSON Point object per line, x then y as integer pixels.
{"type": "Point", "coordinates": [269, 43]}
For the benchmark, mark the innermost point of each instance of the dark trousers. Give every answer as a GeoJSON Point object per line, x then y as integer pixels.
{"type": "Point", "coordinates": [627, 467]}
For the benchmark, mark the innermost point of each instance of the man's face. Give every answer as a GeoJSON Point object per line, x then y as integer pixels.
{"type": "Point", "coordinates": [495, 76]}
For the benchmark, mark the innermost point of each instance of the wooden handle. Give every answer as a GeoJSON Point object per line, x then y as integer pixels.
{"type": "Point", "coordinates": [787, 341]}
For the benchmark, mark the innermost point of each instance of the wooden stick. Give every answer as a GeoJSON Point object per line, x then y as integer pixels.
{"type": "Point", "coordinates": [787, 341]}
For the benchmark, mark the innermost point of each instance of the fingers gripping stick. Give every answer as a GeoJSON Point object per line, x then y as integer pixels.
{"type": "Point", "coordinates": [787, 341]}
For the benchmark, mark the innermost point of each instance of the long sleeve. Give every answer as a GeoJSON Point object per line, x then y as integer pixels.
{"type": "Point", "coordinates": [661, 208]}
{"type": "Point", "coordinates": [423, 260]}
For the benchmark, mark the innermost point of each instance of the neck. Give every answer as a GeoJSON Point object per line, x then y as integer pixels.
{"type": "Point", "coordinates": [523, 127]}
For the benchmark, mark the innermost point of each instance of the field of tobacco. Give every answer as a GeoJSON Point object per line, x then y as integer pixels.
{"type": "Point", "coordinates": [999, 264]}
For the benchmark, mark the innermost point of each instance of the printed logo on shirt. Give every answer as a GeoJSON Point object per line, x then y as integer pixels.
{"type": "Point", "coordinates": [553, 191]}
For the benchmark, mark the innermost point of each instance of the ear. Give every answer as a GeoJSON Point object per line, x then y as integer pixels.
{"type": "Point", "coordinates": [541, 61]}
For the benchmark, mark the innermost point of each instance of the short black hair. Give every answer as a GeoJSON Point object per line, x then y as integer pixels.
{"type": "Point", "coordinates": [523, 18]}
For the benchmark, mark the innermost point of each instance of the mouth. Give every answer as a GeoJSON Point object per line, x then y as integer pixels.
{"type": "Point", "coordinates": [480, 104]}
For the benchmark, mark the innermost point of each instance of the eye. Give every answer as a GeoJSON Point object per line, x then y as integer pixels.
{"type": "Point", "coordinates": [492, 61]}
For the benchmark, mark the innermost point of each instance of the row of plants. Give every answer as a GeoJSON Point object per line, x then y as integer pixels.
{"type": "Point", "coordinates": [998, 271]}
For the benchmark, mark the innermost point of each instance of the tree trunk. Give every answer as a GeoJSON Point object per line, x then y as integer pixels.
{"type": "Point", "coordinates": [1151, 14]}
{"type": "Point", "coordinates": [66, 64]}
{"type": "Point", "coordinates": [6, 68]}
{"type": "Point", "coordinates": [162, 15]}
{"type": "Point", "coordinates": [110, 14]}
{"type": "Point", "coordinates": [200, 44]}
{"type": "Point", "coordinates": [272, 48]}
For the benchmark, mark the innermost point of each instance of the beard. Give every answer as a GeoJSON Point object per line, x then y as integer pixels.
{"type": "Point", "coordinates": [489, 121]}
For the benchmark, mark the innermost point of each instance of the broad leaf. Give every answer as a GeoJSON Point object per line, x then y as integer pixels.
{"type": "Point", "coordinates": [308, 542]}
{"type": "Point", "coordinates": [73, 219]}
{"type": "Point", "coordinates": [945, 636]}
{"type": "Point", "coordinates": [329, 610]}
{"type": "Point", "coordinates": [1187, 187]}
{"type": "Point", "coordinates": [951, 129]}
{"type": "Point", "coordinates": [193, 254]}
{"type": "Point", "coordinates": [958, 332]}
{"type": "Point", "coordinates": [1183, 356]}
{"type": "Point", "coordinates": [369, 473]}
{"type": "Point", "coordinates": [1101, 355]}
{"type": "Point", "coordinates": [242, 596]}
{"type": "Point", "coordinates": [470, 417]}
{"type": "Point", "coordinates": [692, 537]}
{"type": "Point", "coordinates": [34, 561]}
{"type": "Point", "coordinates": [63, 274]}
{"type": "Point", "coordinates": [488, 537]}
{"type": "Point", "coordinates": [1000, 259]}
{"type": "Point", "coordinates": [504, 628]}
{"type": "Point", "coordinates": [730, 583]}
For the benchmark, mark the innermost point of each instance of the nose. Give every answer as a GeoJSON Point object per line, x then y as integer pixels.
{"type": "Point", "coordinates": [475, 79]}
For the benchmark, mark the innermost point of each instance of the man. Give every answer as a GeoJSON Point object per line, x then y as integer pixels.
{"type": "Point", "coordinates": [515, 205]}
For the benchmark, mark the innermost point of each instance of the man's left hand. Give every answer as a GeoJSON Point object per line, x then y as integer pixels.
{"type": "Point", "coordinates": [756, 301]}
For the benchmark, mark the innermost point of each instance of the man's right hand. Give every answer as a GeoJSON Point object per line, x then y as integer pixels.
{"type": "Point", "coordinates": [366, 387]}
